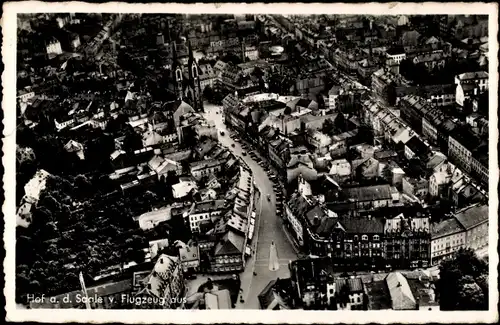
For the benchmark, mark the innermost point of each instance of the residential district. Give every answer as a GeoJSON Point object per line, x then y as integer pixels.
{"type": "Point", "coordinates": [333, 162]}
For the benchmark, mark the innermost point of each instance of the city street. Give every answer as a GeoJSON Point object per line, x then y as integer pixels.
{"type": "Point", "coordinates": [269, 225]}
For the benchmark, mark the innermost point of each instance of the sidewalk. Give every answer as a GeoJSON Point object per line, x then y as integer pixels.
{"type": "Point", "coordinates": [246, 276]}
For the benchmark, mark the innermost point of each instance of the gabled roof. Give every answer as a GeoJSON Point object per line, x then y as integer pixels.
{"type": "Point", "coordinates": [298, 204]}
{"type": "Point", "coordinates": [473, 75]}
{"type": "Point", "coordinates": [220, 299]}
{"type": "Point", "coordinates": [472, 216]}
{"type": "Point", "coordinates": [445, 228]}
{"type": "Point", "coordinates": [352, 285]}
{"type": "Point", "coordinates": [231, 243]}
{"type": "Point", "coordinates": [367, 193]}
{"type": "Point", "coordinates": [72, 145]}
{"type": "Point", "coordinates": [362, 225]}
{"type": "Point", "coordinates": [401, 296]}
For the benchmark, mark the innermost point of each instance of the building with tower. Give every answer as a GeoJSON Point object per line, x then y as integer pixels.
{"type": "Point", "coordinates": [184, 79]}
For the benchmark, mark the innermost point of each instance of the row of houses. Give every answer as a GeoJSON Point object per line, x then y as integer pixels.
{"type": "Point", "coordinates": [379, 242]}
{"type": "Point", "coordinates": [461, 144]}
{"type": "Point", "coordinates": [315, 287]}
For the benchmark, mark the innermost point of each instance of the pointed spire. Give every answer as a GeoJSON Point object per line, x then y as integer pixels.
{"type": "Point", "coordinates": [190, 50]}
{"type": "Point", "coordinates": [169, 38]}
{"type": "Point", "coordinates": [174, 54]}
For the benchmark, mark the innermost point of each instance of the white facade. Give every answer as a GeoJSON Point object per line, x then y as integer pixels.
{"type": "Point", "coordinates": [340, 167]}
{"type": "Point", "coordinates": [296, 225]}
{"type": "Point", "coordinates": [397, 57]}
{"type": "Point", "coordinates": [437, 179]}
{"type": "Point", "coordinates": [54, 47]}
{"type": "Point", "coordinates": [252, 53]}
{"type": "Point", "coordinates": [25, 96]}
{"type": "Point", "coordinates": [196, 218]}
{"type": "Point", "coordinates": [75, 43]}
{"type": "Point", "coordinates": [182, 189]}
{"type": "Point", "coordinates": [409, 154]}
{"type": "Point", "coordinates": [332, 101]}
{"type": "Point", "coordinates": [447, 245]}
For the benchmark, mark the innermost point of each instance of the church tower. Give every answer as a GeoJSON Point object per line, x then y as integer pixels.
{"type": "Point", "coordinates": [177, 71]}
{"type": "Point", "coordinates": [194, 81]}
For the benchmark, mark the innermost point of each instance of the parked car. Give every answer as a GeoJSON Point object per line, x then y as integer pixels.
{"type": "Point", "coordinates": [244, 153]}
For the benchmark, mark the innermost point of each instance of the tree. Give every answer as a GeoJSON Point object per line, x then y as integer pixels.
{"type": "Point", "coordinates": [458, 288]}
{"type": "Point", "coordinates": [132, 141]}
{"type": "Point", "coordinates": [208, 93]}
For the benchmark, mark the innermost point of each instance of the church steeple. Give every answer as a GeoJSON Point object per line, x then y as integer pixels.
{"type": "Point", "coordinates": [175, 59]}
{"type": "Point", "coordinates": [169, 37]}
{"type": "Point", "coordinates": [194, 80]}
{"type": "Point", "coordinates": [191, 56]}
{"type": "Point", "coordinates": [177, 70]}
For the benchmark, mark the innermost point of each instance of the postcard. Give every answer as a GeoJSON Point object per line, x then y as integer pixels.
{"type": "Point", "coordinates": [255, 163]}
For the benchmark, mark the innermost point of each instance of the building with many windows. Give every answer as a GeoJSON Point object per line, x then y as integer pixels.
{"type": "Point", "coordinates": [468, 228]}
{"type": "Point", "coordinates": [203, 211]}
{"type": "Point", "coordinates": [407, 242]}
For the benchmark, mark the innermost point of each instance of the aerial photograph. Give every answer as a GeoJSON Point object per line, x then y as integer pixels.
{"type": "Point", "coordinates": [252, 161]}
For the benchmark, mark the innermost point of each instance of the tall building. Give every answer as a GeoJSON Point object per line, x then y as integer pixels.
{"type": "Point", "coordinates": [407, 242]}
{"type": "Point", "coordinates": [185, 80]}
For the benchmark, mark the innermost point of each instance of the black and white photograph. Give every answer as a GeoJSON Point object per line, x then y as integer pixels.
{"type": "Point", "coordinates": [251, 159]}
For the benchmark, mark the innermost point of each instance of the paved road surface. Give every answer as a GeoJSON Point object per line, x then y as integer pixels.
{"type": "Point", "coordinates": [269, 226]}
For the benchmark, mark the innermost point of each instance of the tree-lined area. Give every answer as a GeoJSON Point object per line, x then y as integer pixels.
{"type": "Point", "coordinates": [463, 283]}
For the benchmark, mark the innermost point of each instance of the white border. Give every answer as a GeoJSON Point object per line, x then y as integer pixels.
{"type": "Point", "coordinates": [9, 24]}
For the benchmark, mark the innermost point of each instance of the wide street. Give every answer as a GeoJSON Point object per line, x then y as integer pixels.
{"type": "Point", "coordinates": [268, 228]}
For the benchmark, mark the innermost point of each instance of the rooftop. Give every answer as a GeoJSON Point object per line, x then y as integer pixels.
{"type": "Point", "coordinates": [369, 193]}
{"type": "Point", "coordinates": [363, 225]}
{"type": "Point", "coordinates": [472, 216]}
{"type": "Point", "coordinates": [445, 228]}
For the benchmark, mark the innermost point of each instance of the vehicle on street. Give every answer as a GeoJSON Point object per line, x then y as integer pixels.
{"type": "Point", "coordinates": [269, 197]}
{"type": "Point", "coordinates": [244, 153]}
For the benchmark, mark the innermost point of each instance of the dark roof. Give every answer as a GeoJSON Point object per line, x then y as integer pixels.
{"type": "Point", "coordinates": [311, 269]}
{"type": "Point", "coordinates": [396, 50]}
{"type": "Point", "coordinates": [384, 154]}
{"type": "Point", "coordinates": [374, 225]}
{"type": "Point", "coordinates": [417, 146]}
{"type": "Point", "coordinates": [231, 243]}
{"type": "Point", "coordinates": [298, 204]}
{"type": "Point", "coordinates": [472, 216]}
{"type": "Point", "coordinates": [303, 102]}
{"type": "Point", "coordinates": [326, 226]}
{"type": "Point", "coordinates": [352, 285]}
{"type": "Point", "coordinates": [466, 138]}
{"type": "Point", "coordinates": [448, 126]}
{"type": "Point", "coordinates": [446, 227]}
{"type": "Point", "coordinates": [313, 213]}
{"type": "Point", "coordinates": [267, 295]}
{"type": "Point", "coordinates": [369, 193]}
